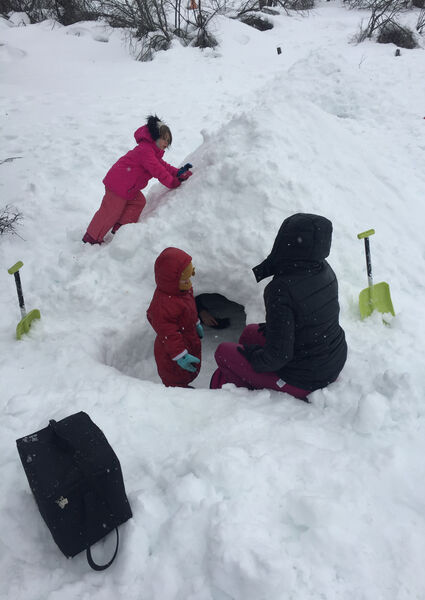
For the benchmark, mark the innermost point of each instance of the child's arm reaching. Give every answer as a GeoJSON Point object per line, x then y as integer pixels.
{"type": "Point", "coordinates": [172, 170]}
{"type": "Point", "coordinates": [158, 168]}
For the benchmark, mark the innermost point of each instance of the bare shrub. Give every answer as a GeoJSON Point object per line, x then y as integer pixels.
{"type": "Point", "coordinates": [155, 23]}
{"type": "Point", "coordinates": [6, 7]}
{"type": "Point", "coordinates": [260, 23]}
{"type": "Point", "coordinates": [359, 4]}
{"type": "Point", "coordinates": [68, 12]}
{"type": "Point", "coordinates": [204, 39]}
{"type": "Point", "coordinates": [382, 12]}
{"type": "Point", "coordinates": [294, 4]}
{"type": "Point", "coordinates": [33, 8]}
{"type": "Point", "coordinates": [151, 43]}
{"type": "Point", "coordinates": [394, 33]}
{"type": "Point", "coordinates": [151, 24]}
{"type": "Point", "coordinates": [65, 12]}
{"type": "Point", "coordinates": [141, 16]}
{"type": "Point", "coordinates": [10, 217]}
{"type": "Point", "coordinates": [420, 25]}
{"type": "Point", "coordinates": [270, 11]}
{"type": "Point", "coordinates": [248, 6]}
{"type": "Point", "coordinates": [200, 24]}
{"type": "Point", "coordinates": [300, 4]}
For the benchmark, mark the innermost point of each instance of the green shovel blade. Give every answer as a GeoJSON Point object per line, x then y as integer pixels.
{"type": "Point", "coordinates": [24, 324]}
{"type": "Point", "coordinates": [377, 297]}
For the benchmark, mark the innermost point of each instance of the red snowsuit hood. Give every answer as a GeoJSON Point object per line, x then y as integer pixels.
{"type": "Point", "coordinates": [169, 266]}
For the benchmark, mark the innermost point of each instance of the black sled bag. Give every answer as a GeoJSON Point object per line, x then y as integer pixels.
{"type": "Point", "coordinates": [77, 482]}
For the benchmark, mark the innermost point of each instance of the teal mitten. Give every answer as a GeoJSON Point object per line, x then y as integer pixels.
{"type": "Point", "coordinates": [187, 361]}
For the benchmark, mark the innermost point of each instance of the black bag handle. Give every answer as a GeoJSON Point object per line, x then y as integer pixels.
{"type": "Point", "coordinates": [89, 510]}
{"type": "Point", "coordinates": [97, 567]}
{"type": "Point", "coordinates": [85, 467]}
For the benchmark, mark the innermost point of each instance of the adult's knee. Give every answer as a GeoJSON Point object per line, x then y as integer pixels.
{"type": "Point", "coordinates": [220, 353]}
{"type": "Point", "coordinates": [225, 353]}
{"type": "Point", "coordinates": [250, 335]}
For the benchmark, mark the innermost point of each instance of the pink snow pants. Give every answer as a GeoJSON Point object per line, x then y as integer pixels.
{"type": "Point", "coordinates": [235, 368]}
{"type": "Point", "coordinates": [115, 211]}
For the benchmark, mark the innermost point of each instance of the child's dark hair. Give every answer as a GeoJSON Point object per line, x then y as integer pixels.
{"type": "Point", "coordinates": [158, 129]}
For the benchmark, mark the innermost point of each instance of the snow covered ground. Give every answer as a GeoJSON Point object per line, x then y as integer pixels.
{"type": "Point", "coordinates": [236, 495]}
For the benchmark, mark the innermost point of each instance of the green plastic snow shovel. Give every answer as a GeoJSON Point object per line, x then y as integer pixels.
{"type": "Point", "coordinates": [375, 296]}
{"type": "Point", "coordinates": [25, 323]}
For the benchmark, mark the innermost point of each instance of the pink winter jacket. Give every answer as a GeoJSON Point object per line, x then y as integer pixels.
{"type": "Point", "coordinates": [131, 172]}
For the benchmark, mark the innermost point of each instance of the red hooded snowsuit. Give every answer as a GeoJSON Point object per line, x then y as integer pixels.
{"type": "Point", "coordinates": [173, 315]}
{"type": "Point", "coordinates": [123, 202]}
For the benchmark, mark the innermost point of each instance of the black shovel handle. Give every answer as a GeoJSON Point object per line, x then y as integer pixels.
{"type": "Point", "coordinates": [90, 514]}
{"type": "Point", "coordinates": [15, 272]}
{"type": "Point", "coordinates": [365, 235]}
{"type": "Point", "coordinates": [97, 567]}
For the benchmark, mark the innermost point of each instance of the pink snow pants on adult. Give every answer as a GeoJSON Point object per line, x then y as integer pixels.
{"type": "Point", "coordinates": [235, 368]}
{"type": "Point", "coordinates": [115, 210]}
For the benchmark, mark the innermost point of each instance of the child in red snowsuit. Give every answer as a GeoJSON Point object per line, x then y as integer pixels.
{"type": "Point", "coordinates": [123, 201]}
{"type": "Point", "coordinates": [173, 315]}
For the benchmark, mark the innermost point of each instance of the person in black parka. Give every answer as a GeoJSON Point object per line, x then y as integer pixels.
{"type": "Point", "coordinates": [301, 347]}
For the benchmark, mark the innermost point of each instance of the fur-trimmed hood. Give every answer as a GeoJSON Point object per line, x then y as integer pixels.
{"type": "Point", "coordinates": [149, 132]}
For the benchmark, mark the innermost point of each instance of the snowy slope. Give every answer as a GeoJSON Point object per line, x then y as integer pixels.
{"type": "Point", "coordinates": [236, 495]}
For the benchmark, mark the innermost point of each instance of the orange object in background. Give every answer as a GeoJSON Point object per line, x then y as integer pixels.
{"type": "Point", "coordinates": [192, 5]}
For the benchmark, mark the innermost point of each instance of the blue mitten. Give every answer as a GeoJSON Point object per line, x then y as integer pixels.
{"type": "Point", "coordinates": [187, 361]}
{"type": "Point", "coordinates": [185, 175]}
{"type": "Point", "coordinates": [200, 330]}
{"type": "Point", "coordinates": [182, 170]}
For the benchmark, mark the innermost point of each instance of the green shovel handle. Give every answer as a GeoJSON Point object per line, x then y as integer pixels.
{"type": "Point", "coordinates": [15, 268]}
{"type": "Point", "coordinates": [15, 272]}
{"type": "Point", "coordinates": [365, 234]}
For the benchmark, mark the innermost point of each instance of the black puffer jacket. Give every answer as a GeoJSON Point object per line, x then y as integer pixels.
{"type": "Point", "coordinates": [305, 344]}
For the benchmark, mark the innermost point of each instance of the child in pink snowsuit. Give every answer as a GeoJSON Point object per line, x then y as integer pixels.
{"type": "Point", "coordinates": [123, 201]}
